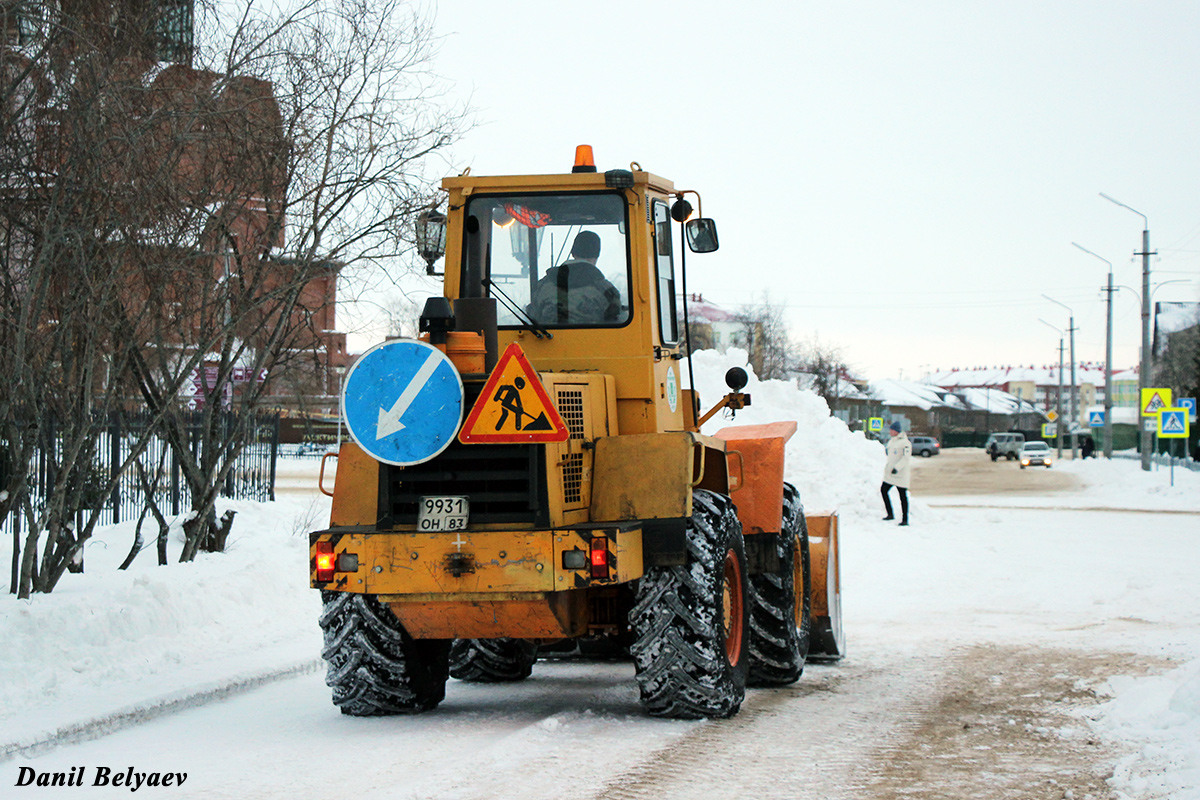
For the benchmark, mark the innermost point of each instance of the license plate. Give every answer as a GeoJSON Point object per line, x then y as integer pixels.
{"type": "Point", "coordinates": [443, 513]}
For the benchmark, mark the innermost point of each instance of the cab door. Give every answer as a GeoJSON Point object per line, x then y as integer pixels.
{"type": "Point", "coordinates": [668, 347]}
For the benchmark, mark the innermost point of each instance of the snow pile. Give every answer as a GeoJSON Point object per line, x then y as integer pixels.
{"type": "Point", "coordinates": [833, 467]}
{"type": "Point", "coordinates": [1121, 483]}
{"type": "Point", "coordinates": [91, 646]}
{"type": "Point", "coordinates": [1162, 713]}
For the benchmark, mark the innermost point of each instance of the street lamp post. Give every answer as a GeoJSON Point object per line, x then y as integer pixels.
{"type": "Point", "coordinates": [1074, 383]}
{"type": "Point", "coordinates": [1145, 365]}
{"type": "Point", "coordinates": [1108, 368]}
{"type": "Point", "coordinates": [1058, 422]}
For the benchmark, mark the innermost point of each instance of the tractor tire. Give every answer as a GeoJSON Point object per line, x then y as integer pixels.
{"type": "Point", "coordinates": [375, 667]}
{"type": "Point", "coordinates": [492, 660]}
{"type": "Point", "coordinates": [691, 644]}
{"type": "Point", "coordinates": [781, 605]}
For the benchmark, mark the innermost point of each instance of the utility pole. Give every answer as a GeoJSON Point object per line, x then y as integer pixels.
{"type": "Point", "coordinates": [1145, 365]}
{"type": "Point", "coordinates": [1108, 369]}
{"type": "Point", "coordinates": [1144, 376]}
{"type": "Point", "coordinates": [1074, 397]}
{"type": "Point", "coordinates": [1058, 422]}
{"type": "Point", "coordinates": [1108, 373]}
{"type": "Point", "coordinates": [1074, 386]}
{"type": "Point", "coordinates": [1058, 430]}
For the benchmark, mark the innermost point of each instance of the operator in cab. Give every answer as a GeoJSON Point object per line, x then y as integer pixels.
{"type": "Point", "coordinates": [576, 292]}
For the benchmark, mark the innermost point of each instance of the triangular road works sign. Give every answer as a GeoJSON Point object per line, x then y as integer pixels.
{"type": "Point", "coordinates": [513, 406]}
{"type": "Point", "coordinates": [1155, 400]}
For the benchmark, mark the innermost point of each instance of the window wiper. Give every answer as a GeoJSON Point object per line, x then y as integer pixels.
{"type": "Point", "coordinates": [526, 320]}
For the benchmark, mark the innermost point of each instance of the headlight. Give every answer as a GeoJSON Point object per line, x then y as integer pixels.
{"type": "Point", "coordinates": [1025, 461]}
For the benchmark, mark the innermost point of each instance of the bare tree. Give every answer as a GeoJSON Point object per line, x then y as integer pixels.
{"type": "Point", "coordinates": [1178, 366]}
{"type": "Point", "coordinates": [826, 370]}
{"type": "Point", "coordinates": [64, 138]}
{"type": "Point", "coordinates": [765, 335]}
{"type": "Point", "coordinates": [333, 120]}
{"type": "Point", "coordinates": [164, 227]}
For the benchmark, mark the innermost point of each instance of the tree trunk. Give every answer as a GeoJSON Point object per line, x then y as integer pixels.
{"type": "Point", "coordinates": [29, 565]}
{"type": "Point", "coordinates": [224, 528]}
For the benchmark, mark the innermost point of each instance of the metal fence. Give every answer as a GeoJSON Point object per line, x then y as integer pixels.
{"type": "Point", "coordinates": [251, 477]}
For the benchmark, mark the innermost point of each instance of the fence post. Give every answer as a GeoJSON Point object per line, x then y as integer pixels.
{"type": "Point", "coordinates": [227, 431]}
{"type": "Point", "coordinates": [274, 455]}
{"type": "Point", "coordinates": [174, 480]}
{"type": "Point", "coordinates": [114, 459]}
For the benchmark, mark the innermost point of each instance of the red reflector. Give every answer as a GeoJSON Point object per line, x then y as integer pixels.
{"type": "Point", "coordinates": [325, 562]}
{"type": "Point", "coordinates": [599, 558]}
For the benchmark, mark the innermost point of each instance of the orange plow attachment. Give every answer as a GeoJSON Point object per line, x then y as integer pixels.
{"type": "Point", "coordinates": [828, 642]}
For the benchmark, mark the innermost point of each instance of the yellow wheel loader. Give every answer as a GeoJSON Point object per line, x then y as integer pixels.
{"type": "Point", "coordinates": [531, 472]}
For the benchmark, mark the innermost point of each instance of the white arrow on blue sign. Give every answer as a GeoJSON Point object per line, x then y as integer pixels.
{"type": "Point", "coordinates": [1095, 419]}
{"type": "Point", "coordinates": [403, 402]}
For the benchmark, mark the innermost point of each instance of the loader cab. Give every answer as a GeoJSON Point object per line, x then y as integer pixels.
{"type": "Point", "coordinates": [582, 271]}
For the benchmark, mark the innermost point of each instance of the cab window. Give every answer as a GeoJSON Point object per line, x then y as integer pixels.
{"type": "Point", "coordinates": [668, 323]}
{"type": "Point", "coordinates": [561, 260]}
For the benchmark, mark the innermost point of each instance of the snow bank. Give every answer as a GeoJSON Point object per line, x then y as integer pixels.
{"type": "Point", "coordinates": [1162, 714]}
{"type": "Point", "coordinates": [833, 467]}
{"type": "Point", "coordinates": [107, 638]}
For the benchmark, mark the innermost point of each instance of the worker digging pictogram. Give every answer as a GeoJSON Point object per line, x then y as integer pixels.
{"type": "Point", "coordinates": [513, 406]}
{"type": "Point", "coordinates": [509, 398]}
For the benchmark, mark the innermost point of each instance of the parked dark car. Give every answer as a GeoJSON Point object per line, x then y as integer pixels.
{"type": "Point", "coordinates": [925, 446]}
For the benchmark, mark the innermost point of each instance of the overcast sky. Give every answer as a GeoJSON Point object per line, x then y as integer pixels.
{"type": "Point", "coordinates": [905, 177]}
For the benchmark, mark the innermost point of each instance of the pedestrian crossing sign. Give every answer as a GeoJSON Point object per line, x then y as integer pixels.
{"type": "Point", "coordinates": [1095, 419]}
{"type": "Point", "coordinates": [1173, 423]}
{"type": "Point", "coordinates": [1154, 401]}
{"type": "Point", "coordinates": [875, 424]}
{"type": "Point", "coordinates": [513, 406]}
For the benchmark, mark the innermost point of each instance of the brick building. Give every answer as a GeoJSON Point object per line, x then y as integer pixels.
{"type": "Point", "coordinates": [187, 182]}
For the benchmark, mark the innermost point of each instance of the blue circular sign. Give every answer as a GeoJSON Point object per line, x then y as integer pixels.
{"type": "Point", "coordinates": [403, 402]}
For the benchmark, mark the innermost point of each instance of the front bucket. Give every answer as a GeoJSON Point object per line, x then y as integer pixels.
{"type": "Point", "coordinates": [828, 641]}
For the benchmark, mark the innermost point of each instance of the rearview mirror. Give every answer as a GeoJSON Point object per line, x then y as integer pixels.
{"type": "Point", "coordinates": [702, 235]}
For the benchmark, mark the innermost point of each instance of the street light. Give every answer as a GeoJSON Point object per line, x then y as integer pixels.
{"type": "Point", "coordinates": [431, 237]}
{"type": "Point", "coordinates": [1074, 383]}
{"type": "Point", "coordinates": [1108, 423]}
{"type": "Point", "coordinates": [1058, 422]}
{"type": "Point", "coordinates": [1144, 366]}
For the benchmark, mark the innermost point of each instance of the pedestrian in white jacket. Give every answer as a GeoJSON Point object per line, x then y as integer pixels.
{"type": "Point", "coordinates": [897, 472]}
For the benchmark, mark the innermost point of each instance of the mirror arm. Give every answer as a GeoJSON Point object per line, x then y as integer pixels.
{"type": "Point", "coordinates": [735, 401]}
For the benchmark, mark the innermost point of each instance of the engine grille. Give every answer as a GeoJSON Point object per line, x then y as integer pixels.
{"type": "Point", "coordinates": [570, 408]}
{"type": "Point", "coordinates": [504, 483]}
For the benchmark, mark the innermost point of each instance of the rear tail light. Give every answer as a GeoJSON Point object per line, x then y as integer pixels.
{"type": "Point", "coordinates": [599, 549]}
{"type": "Point", "coordinates": [326, 562]}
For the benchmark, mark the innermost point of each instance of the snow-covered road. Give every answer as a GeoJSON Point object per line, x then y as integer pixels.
{"type": "Point", "coordinates": [979, 641]}
{"type": "Point", "coordinates": [1020, 645]}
